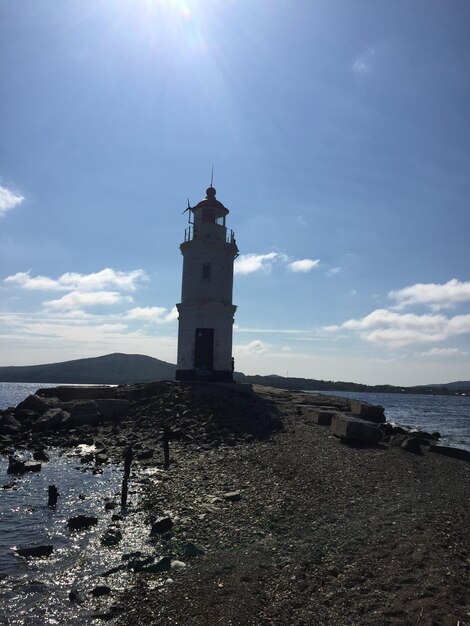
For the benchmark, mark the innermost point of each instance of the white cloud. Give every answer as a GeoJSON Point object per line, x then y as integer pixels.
{"type": "Point", "coordinates": [363, 63]}
{"type": "Point", "coordinates": [303, 265]}
{"type": "Point", "coordinates": [126, 281]}
{"type": "Point", "coordinates": [254, 347]}
{"type": "Point", "coordinates": [81, 299]}
{"type": "Point", "coordinates": [156, 314]}
{"type": "Point", "coordinates": [8, 200]}
{"type": "Point", "coordinates": [249, 263]}
{"type": "Point", "coordinates": [434, 295]}
{"type": "Point", "coordinates": [333, 271]}
{"type": "Point", "coordinates": [393, 329]}
{"type": "Point", "coordinates": [443, 352]}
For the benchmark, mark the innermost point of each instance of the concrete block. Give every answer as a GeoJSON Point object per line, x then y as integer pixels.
{"type": "Point", "coordinates": [355, 429]}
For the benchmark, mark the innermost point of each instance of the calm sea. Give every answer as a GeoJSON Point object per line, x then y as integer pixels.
{"type": "Point", "coordinates": [450, 415]}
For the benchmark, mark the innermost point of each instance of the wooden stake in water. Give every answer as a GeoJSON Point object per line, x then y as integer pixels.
{"type": "Point", "coordinates": [53, 495]}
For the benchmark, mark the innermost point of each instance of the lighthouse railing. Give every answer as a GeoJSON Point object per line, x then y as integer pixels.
{"type": "Point", "coordinates": [189, 234]}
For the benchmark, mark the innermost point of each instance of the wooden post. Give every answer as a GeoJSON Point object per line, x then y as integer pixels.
{"type": "Point", "coordinates": [53, 494]}
{"type": "Point", "coordinates": [127, 472]}
{"type": "Point", "coordinates": [166, 447]}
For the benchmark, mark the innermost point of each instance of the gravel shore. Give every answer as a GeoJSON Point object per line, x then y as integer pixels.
{"type": "Point", "coordinates": [301, 529]}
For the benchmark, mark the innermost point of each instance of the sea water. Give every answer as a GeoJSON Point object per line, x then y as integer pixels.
{"type": "Point", "coordinates": [449, 415]}
{"type": "Point", "coordinates": [35, 591]}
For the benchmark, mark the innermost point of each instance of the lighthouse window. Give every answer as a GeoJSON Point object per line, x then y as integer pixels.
{"type": "Point", "coordinates": [206, 271]}
{"type": "Point", "coordinates": [208, 216]}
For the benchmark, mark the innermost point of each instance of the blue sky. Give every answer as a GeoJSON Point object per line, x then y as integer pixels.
{"type": "Point", "coordinates": [340, 138]}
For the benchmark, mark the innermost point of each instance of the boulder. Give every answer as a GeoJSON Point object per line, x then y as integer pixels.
{"type": "Point", "coordinates": [320, 417]}
{"type": "Point", "coordinates": [111, 537]}
{"type": "Point", "coordinates": [111, 408]}
{"type": "Point", "coordinates": [355, 430]}
{"type": "Point", "coordinates": [161, 526]}
{"type": "Point", "coordinates": [15, 466]}
{"type": "Point", "coordinates": [9, 425]}
{"type": "Point", "coordinates": [412, 444]}
{"type": "Point", "coordinates": [101, 590]}
{"type": "Point", "coordinates": [40, 455]}
{"type": "Point", "coordinates": [66, 393]}
{"type": "Point", "coordinates": [83, 412]}
{"type": "Point", "coordinates": [51, 419]}
{"type": "Point", "coordinates": [162, 565]}
{"type": "Point", "coordinates": [190, 550]}
{"type": "Point", "coordinates": [80, 522]}
{"type": "Point", "coordinates": [38, 404]}
{"type": "Point", "coordinates": [368, 412]}
{"type": "Point", "coordinates": [455, 453]}
{"type": "Point", "coordinates": [35, 551]}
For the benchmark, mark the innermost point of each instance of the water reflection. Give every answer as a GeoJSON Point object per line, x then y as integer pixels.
{"type": "Point", "coordinates": [36, 591]}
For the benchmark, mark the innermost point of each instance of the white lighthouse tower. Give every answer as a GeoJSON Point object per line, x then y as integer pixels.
{"type": "Point", "coordinates": [206, 310]}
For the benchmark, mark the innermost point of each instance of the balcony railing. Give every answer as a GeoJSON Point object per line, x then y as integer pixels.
{"type": "Point", "coordinates": [190, 234]}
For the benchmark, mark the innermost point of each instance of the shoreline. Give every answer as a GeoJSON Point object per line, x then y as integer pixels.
{"type": "Point", "coordinates": [300, 526]}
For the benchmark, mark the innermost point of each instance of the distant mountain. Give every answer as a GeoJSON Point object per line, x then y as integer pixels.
{"type": "Point", "coordinates": [112, 369]}
{"type": "Point", "coordinates": [122, 369]}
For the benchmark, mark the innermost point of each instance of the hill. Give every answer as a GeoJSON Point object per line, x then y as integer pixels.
{"type": "Point", "coordinates": [125, 369]}
{"type": "Point", "coordinates": [111, 369]}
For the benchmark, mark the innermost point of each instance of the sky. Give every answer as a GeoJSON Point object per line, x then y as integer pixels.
{"type": "Point", "coordinates": [340, 138]}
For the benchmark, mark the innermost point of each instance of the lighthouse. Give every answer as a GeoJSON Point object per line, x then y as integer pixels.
{"type": "Point", "coordinates": [206, 312]}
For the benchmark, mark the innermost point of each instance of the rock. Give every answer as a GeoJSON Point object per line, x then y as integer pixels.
{"type": "Point", "coordinates": [67, 393]}
{"type": "Point", "coordinates": [137, 564]}
{"type": "Point", "coordinates": [101, 590]}
{"type": "Point", "coordinates": [80, 522]}
{"type": "Point", "coordinates": [9, 425]}
{"type": "Point", "coordinates": [232, 496]}
{"type": "Point", "coordinates": [190, 550]}
{"type": "Point", "coordinates": [436, 434]}
{"type": "Point", "coordinates": [111, 537]}
{"type": "Point", "coordinates": [455, 453]}
{"type": "Point", "coordinates": [83, 412]}
{"type": "Point", "coordinates": [110, 505]}
{"type": "Point", "coordinates": [51, 419]}
{"type": "Point", "coordinates": [15, 466]}
{"type": "Point", "coordinates": [355, 430]}
{"type": "Point", "coordinates": [40, 455]}
{"type": "Point", "coordinates": [412, 444]}
{"type": "Point", "coordinates": [161, 526]}
{"type": "Point", "coordinates": [38, 404]}
{"type": "Point", "coordinates": [101, 458]}
{"type": "Point", "coordinates": [32, 467]}
{"type": "Point", "coordinates": [36, 551]}
{"type": "Point", "coordinates": [368, 412]}
{"type": "Point", "coordinates": [162, 565]}
{"type": "Point", "coordinates": [322, 418]}
{"type": "Point", "coordinates": [111, 408]}
{"type": "Point", "coordinates": [178, 565]}
{"type": "Point", "coordinates": [145, 454]}
{"type": "Point", "coordinates": [116, 517]}
{"type": "Point", "coordinates": [75, 597]}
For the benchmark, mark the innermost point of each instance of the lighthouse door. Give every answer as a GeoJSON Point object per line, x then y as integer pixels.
{"type": "Point", "coordinates": [204, 350]}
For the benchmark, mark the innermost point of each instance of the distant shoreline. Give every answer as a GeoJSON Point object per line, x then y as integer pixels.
{"type": "Point", "coordinates": [126, 369]}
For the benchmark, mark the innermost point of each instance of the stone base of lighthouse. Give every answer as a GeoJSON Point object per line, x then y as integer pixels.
{"type": "Point", "coordinates": [205, 341]}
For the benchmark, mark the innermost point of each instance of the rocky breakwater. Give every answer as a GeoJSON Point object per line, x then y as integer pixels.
{"type": "Point", "coordinates": [114, 418]}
